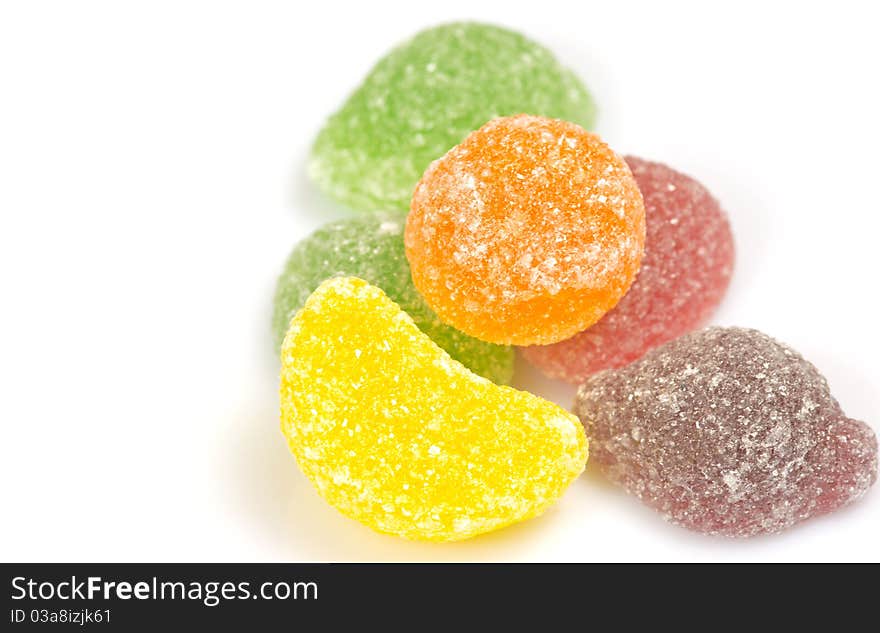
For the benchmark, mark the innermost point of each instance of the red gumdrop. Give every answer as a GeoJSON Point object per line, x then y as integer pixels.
{"type": "Point", "coordinates": [685, 272]}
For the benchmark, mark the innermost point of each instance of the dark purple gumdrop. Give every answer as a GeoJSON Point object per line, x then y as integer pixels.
{"type": "Point", "coordinates": [727, 431]}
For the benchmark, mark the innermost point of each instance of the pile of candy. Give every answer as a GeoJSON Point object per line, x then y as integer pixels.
{"type": "Point", "coordinates": [526, 229]}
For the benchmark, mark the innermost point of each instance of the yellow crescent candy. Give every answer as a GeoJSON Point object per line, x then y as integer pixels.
{"type": "Point", "coordinates": [395, 434]}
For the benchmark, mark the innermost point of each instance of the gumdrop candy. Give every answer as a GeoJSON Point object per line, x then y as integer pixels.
{"type": "Point", "coordinates": [371, 247]}
{"type": "Point", "coordinates": [527, 232]}
{"type": "Point", "coordinates": [727, 431]}
{"type": "Point", "coordinates": [684, 275]}
{"type": "Point", "coordinates": [425, 96]}
{"type": "Point", "coordinates": [395, 434]}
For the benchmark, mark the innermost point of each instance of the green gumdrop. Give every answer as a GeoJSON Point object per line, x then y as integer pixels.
{"type": "Point", "coordinates": [371, 247]}
{"type": "Point", "coordinates": [424, 97]}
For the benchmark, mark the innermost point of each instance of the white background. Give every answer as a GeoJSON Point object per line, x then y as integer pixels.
{"type": "Point", "coordinates": [152, 183]}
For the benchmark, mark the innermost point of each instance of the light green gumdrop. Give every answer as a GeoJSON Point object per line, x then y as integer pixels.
{"type": "Point", "coordinates": [371, 247]}
{"type": "Point", "coordinates": [424, 97]}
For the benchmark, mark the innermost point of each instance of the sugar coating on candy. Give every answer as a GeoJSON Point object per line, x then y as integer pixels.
{"type": "Point", "coordinates": [685, 273]}
{"type": "Point", "coordinates": [727, 431]}
{"type": "Point", "coordinates": [527, 232]}
{"type": "Point", "coordinates": [425, 96]}
{"type": "Point", "coordinates": [397, 435]}
{"type": "Point", "coordinates": [371, 248]}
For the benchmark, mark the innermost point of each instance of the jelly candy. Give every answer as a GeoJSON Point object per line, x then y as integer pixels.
{"type": "Point", "coordinates": [726, 431]}
{"type": "Point", "coordinates": [527, 232]}
{"type": "Point", "coordinates": [397, 435]}
{"type": "Point", "coordinates": [684, 274]}
{"type": "Point", "coordinates": [371, 247]}
{"type": "Point", "coordinates": [425, 96]}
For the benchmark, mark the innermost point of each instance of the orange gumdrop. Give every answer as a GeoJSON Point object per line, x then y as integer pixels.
{"type": "Point", "coordinates": [527, 232]}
